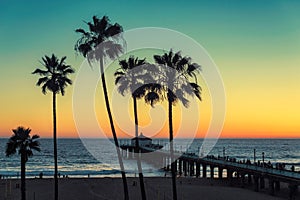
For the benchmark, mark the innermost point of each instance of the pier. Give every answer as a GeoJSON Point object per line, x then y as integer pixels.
{"type": "Point", "coordinates": [262, 176]}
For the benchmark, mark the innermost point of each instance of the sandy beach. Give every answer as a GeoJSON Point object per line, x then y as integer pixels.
{"type": "Point", "coordinates": [111, 188]}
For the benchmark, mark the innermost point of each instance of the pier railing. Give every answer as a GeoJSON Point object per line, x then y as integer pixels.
{"type": "Point", "coordinates": [281, 174]}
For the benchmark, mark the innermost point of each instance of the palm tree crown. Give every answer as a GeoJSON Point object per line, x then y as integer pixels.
{"type": "Point", "coordinates": [137, 77]}
{"type": "Point", "coordinates": [100, 40]}
{"type": "Point", "coordinates": [174, 74]}
{"type": "Point", "coordinates": [22, 142]}
{"type": "Point", "coordinates": [55, 77]}
{"type": "Point", "coordinates": [130, 79]}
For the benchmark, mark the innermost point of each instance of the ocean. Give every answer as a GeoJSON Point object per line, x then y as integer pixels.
{"type": "Point", "coordinates": [99, 158]}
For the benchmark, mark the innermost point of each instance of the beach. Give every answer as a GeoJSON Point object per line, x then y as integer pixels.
{"type": "Point", "coordinates": [157, 188]}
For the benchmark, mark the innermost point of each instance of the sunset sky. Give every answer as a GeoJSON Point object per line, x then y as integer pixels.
{"type": "Point", "coordinates": [255, 44]}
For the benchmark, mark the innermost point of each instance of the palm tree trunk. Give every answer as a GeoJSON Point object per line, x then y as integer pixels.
{"type": "Point", "coordinates": [139, 164]}
{"type": "Point", "coordinates": [55, 148]}
{"type": "Point", "coordinates": [126, 195]}
{"type": "Point", "coordinates": [172, 150]}
{"type": "Point", "coordinates": [23, 186]}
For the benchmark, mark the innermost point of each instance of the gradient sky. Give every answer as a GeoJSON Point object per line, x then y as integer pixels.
{"type": "Point", "coordinates": [256, 45]}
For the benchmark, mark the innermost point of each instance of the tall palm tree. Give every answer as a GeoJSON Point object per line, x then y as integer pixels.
{"type": "Point", "coordinates": [101, 41]}
{"type": "Point", "coordinates": [55, 79]}
{"type": "Point", "coordinates": [130, 79]}
{"type": "Point", "coordinates": [22, 142]}
{"type": "Point", "coordinates": [175, 80]}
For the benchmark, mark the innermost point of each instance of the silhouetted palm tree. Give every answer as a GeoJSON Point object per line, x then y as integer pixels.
{"type": "Point", "coordinates": [99, 42]}
{"type": "Point", "coordinates": [24, 144]}
{"type": "Point", "coordinates": [131, 79]}
{"type": "Point", "coordinates": [175, 72]}
{"type": "Point", "coordinates": [55, 79]}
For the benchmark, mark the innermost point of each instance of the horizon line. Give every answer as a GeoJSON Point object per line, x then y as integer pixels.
{"type": "Point", "coordinates": [168, 138]}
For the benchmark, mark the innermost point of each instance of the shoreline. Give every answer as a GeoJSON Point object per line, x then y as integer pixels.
{"type": "Point", "coordinates": [112, 188]}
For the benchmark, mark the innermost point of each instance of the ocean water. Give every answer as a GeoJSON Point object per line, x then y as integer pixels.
{"type": "Point", "coordinates": [75, 160]}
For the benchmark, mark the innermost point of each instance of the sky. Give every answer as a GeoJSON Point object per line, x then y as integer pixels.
{"type": "Point", "coordinates": [255, 45]}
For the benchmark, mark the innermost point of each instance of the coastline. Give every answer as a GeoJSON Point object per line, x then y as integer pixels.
{"type": "Point", "coordinates": [156, 188]}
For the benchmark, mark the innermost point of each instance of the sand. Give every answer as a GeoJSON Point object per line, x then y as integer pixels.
{"type": "Point", "coordinates": [111, 189]}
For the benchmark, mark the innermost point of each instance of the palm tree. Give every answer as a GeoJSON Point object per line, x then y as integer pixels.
{"type": "Point", "coordinates": [130, 79]}
{"type": "Point", "coordinates": [99, 42]}
{"type": "Point", "coordinates": [177, 71]}
{"type": "Point", "coordinates": [24, 144]}
{"type": "Point", "coordinates": [55, 79]}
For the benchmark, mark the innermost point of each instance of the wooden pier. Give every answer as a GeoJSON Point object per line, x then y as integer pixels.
{"type": "Point", "coordinates": [190, 164]}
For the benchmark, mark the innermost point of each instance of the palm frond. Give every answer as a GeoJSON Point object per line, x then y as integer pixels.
{"type": "Point", "coordinates": [192, 68]}
{"type": "Point", "coordinates": [151, 98]}
{"type": "Point", "coordinates": [119, 73]}
{"type": "Point", "coordinates": [62, 91]}
{"type": "Point", "coordinates": [186, 88]}
{"type": "Point", "coordinates": [197, 90]}
{"type": "Point", "coordinates": [68, 71]}
{"type": "Point", "coordinates": [181, 64]}
{"type": "Point", "coordinates": [180, 96]}
{"type": "Point", "coordinates": [62, 60]}
{"type": "Point", "coordinates": [41, 72]}
{"type": "Point", "coordinates": [158, 59]}
{"type": "Point", "coordinates": [113, 30]}
{"type": "Point", "coordinates": [35, 145]}
{"type": "Point", "coordinates": [42, 80]}
{"type": "Point", "coordinates": [123, 86]}
{"type": "Point", "coordinates": [101, 24]}
{"type": "Point", "coordinates": [84, 49]}
{"type": "Point", "coordinates": [131, 62]}
{"type": "Point", "coordinates": [113, 50]}
{"type": "Point", "coordinates": [36, 148]}
{"type": "Point", "coordinates": [141, 62]}
{"type": "Point", "coordinates": [176, 58]}
{"type": "Point", "coordinates": [95, 20]}
{"type": "Point", "coordinates": [82, 31]}
{"type": "Point", "coordinates": [92, 27]}
{"type": "Point", "coordinates": [11, 148]}
{"type": "Point", "coordinates": [45, 60]}
{"type": "Point", "coordinates": [34, 137]}
{"type": "Point", "coordinates": [139, 92]}
{"type": "Point", "coordinates": [54, 61]}
{"type": "Point", "coordinates": [123, 64]}
{"type": "Point", "coordinates": [68, 81]}
{"type": "Point", "coordinates": [118, 78]}
{"type": "Point", "coordinates": [44, 88]}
